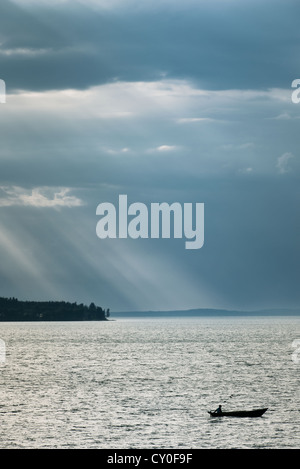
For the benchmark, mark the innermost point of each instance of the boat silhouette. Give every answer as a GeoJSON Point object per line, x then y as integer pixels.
{"type": "Point", "coordinates": [239, 413]}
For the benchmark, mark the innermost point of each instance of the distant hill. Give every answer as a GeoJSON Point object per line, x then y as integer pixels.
{"type": "Point", "coordinates": [11, 309]}
{"type": "Point", "coordinates": [207, 312]}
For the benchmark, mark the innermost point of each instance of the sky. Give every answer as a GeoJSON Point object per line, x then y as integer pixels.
{"type": "Point", "coordinates": [164, 101]}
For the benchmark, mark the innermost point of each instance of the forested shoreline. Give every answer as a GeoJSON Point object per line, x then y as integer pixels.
{"type": "Point", "coordinates": [12, 309]}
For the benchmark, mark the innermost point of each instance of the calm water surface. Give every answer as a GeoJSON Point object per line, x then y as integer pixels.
{"type": "Point", "coordinates": [148, 383]}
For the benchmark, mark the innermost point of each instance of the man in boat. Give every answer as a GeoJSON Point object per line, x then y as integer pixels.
{"type": "Point", "coordinates": [218, 410]}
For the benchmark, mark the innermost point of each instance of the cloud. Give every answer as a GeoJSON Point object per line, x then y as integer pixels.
{"type": "Point", "coordinates": [119, 151]}
{"type": "Point", "coordinates": [85, 131]}
{"type": "Point", "coordinates": [55, 45]}
{"type": "Point", "coordinates": [38, 197]}
{"type": "Point", "coordinates": [95, 86]}
{"type": "Point", "coordinates": [23, 52]}
{"type": "Point", "coordinates": [190, 120]}
{"type": "Point", "coordinates": [248, 170]}
{"type": "Point", "coordinates": [283, 163]}
{"type": "Point", "coordinates": [283, 116]}
{"type": "Point", "coordinates": [164, 148]}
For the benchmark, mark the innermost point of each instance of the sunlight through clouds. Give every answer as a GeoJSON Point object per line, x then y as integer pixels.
{"type": "Point", "coordinates": [164, 101]}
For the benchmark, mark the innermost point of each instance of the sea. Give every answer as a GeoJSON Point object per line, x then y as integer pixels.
{"type": "Point", "coordinates": [131, 383]}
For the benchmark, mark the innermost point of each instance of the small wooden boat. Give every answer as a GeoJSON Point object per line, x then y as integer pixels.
{"type": "Point", "coordinates": [239, 413]}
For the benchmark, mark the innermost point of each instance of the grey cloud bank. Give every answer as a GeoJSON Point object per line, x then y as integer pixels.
{"type": "Point", "coordinates": [217, 45]}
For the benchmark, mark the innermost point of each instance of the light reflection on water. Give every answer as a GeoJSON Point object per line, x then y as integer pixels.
{"type": "Point", "coordinates": [148, 383]}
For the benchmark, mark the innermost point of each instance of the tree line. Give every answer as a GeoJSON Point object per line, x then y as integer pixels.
{"type": "Point", "coordinates": [11, 309]}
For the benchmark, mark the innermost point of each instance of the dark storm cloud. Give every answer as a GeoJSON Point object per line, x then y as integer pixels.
{"type": "Point", "coordinates": [219, 46]}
